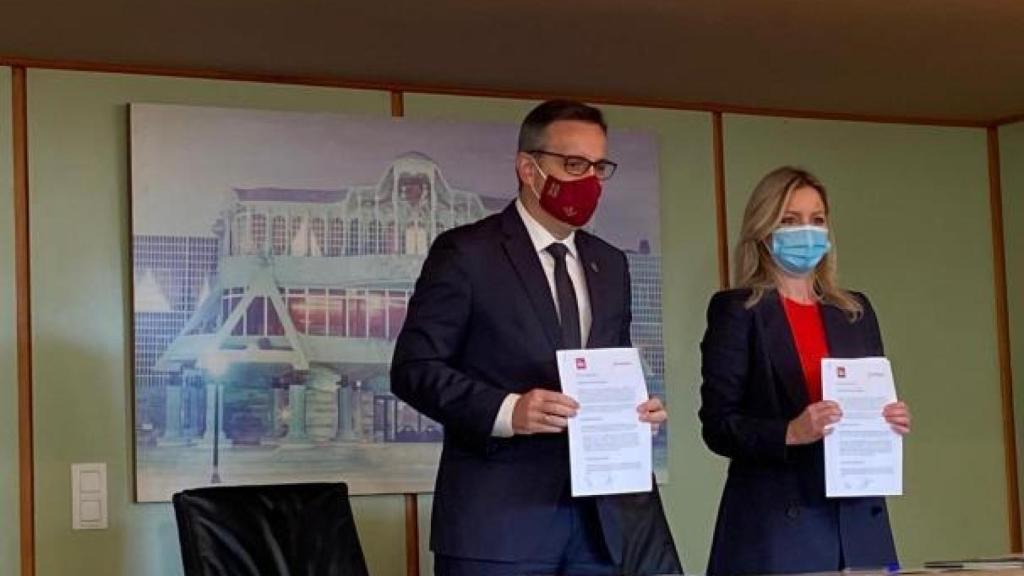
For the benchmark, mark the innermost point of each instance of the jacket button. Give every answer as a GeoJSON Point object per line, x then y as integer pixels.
{"type": "Point", "coordinates": [792, 511]}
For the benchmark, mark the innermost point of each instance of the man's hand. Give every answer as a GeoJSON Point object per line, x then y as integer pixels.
{"type": "Point", "coordinates": [541, 411]}
{"type": "Point", "coordinates": [653, 411]}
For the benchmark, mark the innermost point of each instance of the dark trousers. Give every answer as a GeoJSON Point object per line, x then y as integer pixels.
{"type": "Point", "coordinates": [585, 554]}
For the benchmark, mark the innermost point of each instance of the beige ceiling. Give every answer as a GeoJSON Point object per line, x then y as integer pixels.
{"type": "Point", "coordinates": [952, 59]}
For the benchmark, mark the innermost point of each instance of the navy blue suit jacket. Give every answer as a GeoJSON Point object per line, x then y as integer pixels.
{"type": "Point", "coordinates": [774, 517]}
{"type": "Point", "coordinates": [481, 324]}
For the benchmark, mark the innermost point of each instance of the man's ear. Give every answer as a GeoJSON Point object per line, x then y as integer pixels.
{"type": "Point", "coordinates": [525, 167]}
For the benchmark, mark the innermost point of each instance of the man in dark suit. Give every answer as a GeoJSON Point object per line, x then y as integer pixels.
{"type": "Point", "coordinates": [494, 301]}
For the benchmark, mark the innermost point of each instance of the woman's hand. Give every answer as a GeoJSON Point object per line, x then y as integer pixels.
{"type": "Point", "coordinates": [897, 415]}
{"type": "Point", "coordinates": [813, 423]}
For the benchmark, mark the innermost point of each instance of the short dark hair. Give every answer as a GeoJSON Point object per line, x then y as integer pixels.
{"type": "Point", "coordinates": [531, 133]}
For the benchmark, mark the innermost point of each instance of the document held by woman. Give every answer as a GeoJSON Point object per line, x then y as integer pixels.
{"type": "Point", "coordinates": [863, 455]}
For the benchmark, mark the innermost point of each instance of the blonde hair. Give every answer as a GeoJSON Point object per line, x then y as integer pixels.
{"type": "Point", "coordinates": [756, 269]}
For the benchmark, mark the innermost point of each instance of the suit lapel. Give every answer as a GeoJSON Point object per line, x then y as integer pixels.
{"type": "Point", "coordinates": [782, 349]}
{"type": "Point", "coordinates": [527, 265]}
{"type": "Point", "coordinates": [592, 270]}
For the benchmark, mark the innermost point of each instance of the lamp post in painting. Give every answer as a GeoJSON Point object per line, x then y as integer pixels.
{"type": "Point", "coordinates": [216, 365]}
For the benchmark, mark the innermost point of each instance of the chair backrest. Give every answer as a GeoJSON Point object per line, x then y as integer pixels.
{"type": "Point", "coordinates": [278, 530]}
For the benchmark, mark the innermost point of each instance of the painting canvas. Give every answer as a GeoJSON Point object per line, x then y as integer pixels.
{"type": "Point", "coordinates": [274, 254]}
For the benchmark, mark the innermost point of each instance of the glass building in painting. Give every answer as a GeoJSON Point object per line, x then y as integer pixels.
{"type": "Point", "coordinates": [290, 308]}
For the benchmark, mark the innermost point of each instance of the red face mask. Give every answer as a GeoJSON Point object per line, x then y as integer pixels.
{"type": "Point", "coordinates": [570, 201]}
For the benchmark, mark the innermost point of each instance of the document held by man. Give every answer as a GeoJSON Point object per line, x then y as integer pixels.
{"type": "Point", "coordinates": [863, 455]}
{"type": "Point", "coordinates": [609, 447]}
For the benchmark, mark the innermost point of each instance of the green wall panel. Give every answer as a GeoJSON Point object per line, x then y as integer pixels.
{"type": "Point", "coordinates": [80, 226]}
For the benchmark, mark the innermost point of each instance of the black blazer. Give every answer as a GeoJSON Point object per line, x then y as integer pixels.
{"type": "Point", "coordinates": [481, 324]}
{"type": "Point", "coordinates": [774, 517]}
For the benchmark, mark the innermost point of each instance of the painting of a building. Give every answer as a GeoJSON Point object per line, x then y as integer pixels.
{"type": "Point", "coordinates": [262, 349]}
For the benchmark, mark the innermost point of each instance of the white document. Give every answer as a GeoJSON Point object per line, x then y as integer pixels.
{"type": "Point", "coordinates": [863, 455]}
{"type": "Point", "coordinates": [609, 447]}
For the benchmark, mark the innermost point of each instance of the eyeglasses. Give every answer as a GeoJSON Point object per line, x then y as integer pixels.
{"type": "Point", "coordinates": [579, 166]}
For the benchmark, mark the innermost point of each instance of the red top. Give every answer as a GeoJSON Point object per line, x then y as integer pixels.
{"type": "Point", "coordinates": [811, 345]}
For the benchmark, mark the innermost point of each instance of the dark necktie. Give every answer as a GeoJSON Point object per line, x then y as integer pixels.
{"type": "Point", "coordinates": [568, 309]}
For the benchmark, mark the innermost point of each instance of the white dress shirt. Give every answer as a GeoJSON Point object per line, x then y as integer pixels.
{"type": "Point", "coordinates": [541, 239]}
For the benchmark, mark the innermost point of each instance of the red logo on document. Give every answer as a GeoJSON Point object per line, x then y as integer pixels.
{"type": "Point", "coordinates": [581, 363]}
{"type": "Point", "coordinates": [840, 371]}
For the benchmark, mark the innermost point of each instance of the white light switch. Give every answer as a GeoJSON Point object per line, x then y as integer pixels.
{"type": "Point", "coordinates": [89, 496]}
{"type": "Point", "coordinates": [89, 481]}
{"type": "Point", "coordinates": [89, 511]}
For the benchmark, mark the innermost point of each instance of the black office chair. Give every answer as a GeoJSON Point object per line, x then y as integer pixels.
{"type": "Point", "coordinates": [279, 530]}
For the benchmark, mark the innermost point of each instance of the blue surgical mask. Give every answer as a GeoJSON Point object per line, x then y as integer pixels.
{"type": "Point", "coordinates": [798, 249]}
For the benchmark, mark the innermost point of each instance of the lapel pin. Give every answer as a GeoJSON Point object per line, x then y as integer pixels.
{"type": "Point", "coordinates": [593, 266]}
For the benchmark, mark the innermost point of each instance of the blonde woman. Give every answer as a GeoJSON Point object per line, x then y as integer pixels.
{"type": "Point", "coordinates": [761, 393]}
